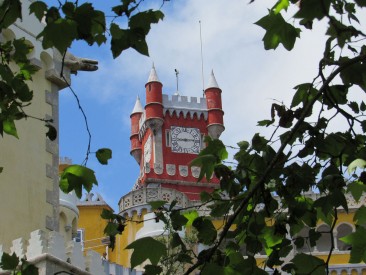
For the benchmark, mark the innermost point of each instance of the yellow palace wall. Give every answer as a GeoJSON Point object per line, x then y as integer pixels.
{"type": "Point", "coordinates": [93, 226]}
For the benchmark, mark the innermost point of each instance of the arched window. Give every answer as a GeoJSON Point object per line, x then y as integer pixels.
{"type": "Point", "coordinates": [303, 238]}
{"type": "Point", "coordinates": [324, 242]}
{"type": "Point", "coordinates": [343, 229]}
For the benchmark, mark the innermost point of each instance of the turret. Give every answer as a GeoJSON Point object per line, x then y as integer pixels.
{"type": "Point", "coordinates": [214, 106]}
{"type": "Point", "coordinates": [154, 102]}
{"type": "Point", "coordinates": [134, 138]}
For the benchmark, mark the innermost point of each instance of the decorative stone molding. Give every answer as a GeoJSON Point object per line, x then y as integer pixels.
{"type": "Point", "coordinates": [170, 169]}
{"type": "Point", "coordinates": [158, 168]}
{"type": "Point", "coordinates": [141, 197]}
{"type": "Point", "coordinates": [195, 170]}
{"type": "Point", "coordinates": [183, 170]}
{"type": "Point", "coordinates": [147, 167]}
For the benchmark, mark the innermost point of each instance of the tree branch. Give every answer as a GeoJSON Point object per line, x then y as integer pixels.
{"type": "Point", "coordinates": [271, 165]}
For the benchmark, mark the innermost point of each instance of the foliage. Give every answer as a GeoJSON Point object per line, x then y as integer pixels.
{"type": "Point", "coordinates": [317, 144]}
{"type": "Point", "coordinates": [115, 225]}
{"type": "Point", "coordinates": [17, 266]}
{"type": "Point", "coordinates": [262, 199]}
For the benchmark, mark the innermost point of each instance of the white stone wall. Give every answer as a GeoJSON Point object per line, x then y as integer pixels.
{"type": "Point", "coordinates": [50, 253]}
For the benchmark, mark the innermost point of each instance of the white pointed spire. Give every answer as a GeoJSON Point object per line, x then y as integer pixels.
{"type": "Point", "coordinates": [153, 75]}
{"type": "Point", "coordinates": [138, 107]}
{"type": "Point", "coordinates": [212, 83]}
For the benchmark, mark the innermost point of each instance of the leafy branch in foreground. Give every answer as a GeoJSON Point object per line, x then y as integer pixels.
{"type": "Point", "coordinates": [316, 144]}
{"type": "Point", "coordinates": [17, 266]}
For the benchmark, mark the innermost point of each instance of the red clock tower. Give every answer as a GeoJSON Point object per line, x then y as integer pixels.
{"type": "Point", "coordinates": [169, 133]}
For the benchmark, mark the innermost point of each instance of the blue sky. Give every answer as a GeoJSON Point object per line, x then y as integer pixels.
{"type": "Point", "coordinates": [250, 78]}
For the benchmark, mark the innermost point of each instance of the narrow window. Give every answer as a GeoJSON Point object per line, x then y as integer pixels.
{"type": "Point", "coordinates": [203, 143]}
{"type": "Point", "coordinates": [168, 140]}
{"type": "Point", "coordinates": [79, 238]}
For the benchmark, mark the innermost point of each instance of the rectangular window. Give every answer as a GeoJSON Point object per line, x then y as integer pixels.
{"type": "Point", "coordinates": [168, 140]}
{"type": "Point", "coordinates": [79, 238]}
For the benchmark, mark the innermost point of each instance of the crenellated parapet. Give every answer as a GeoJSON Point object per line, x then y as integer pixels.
{"type": "Point", "coordinates": [51, 254]}
{"type": "Point", "coordinates": [187, 106]}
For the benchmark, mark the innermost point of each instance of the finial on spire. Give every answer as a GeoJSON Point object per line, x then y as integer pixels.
{"type": "Point", "coordinates": [153, 75]}
{"type": "Point", "coordinates": [212, 83]}
{"type": "Point", "coordinates": [138, 107]}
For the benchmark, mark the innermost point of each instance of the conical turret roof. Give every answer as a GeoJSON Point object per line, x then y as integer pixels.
{"type": "Point", "coordinates": [153, 75]}
{"type": "Point", "coordinates": [138, 107]}
{"type": "Point", "coordinates": [212, 83]}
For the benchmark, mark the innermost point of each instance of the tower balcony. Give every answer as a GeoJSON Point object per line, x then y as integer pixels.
{"type": "Point", "coordinates": [138, 200]}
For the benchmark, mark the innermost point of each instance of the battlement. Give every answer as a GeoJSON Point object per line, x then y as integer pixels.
{"type": "Point", "coordinates": [185, 105]}
{"type": "Point", "coordinates": [184, 102]}
{"type": "Point", "coordinates": [50, 253]}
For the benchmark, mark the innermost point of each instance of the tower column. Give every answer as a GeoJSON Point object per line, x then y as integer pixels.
{"type": "Point", "coordinates": [135, 127]}
{"type": "Point", "coordinates": [214, 106]}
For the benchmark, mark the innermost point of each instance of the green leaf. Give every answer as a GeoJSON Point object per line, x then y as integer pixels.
{"type": "Point", "coordinates": [354, 74]}
{"type": "Point", "coordinates": [304, 93]}
{"type": "Point", "coordinates": [28, 268]}
{"type": "Point", "coordinates": [178, 220]}
{"type": "Point", "coordinates": [39, 9]}
{"type": "Point", "coordinates": [76, 177]}
{"type": "Point", "coordinates": [120, 39]}
{"type": "Point", "coordinates": [152, 269]}
{"type": "Point", "coordinates": [206, 230]}
{"type": "Point", "coordinates": [357, 163]}
{"type": "Point", "coordinates": [360, 216]}
{"type": "Point", "coordinates": [9, 128]}
{"type": "Point", "coordinates": [146, 249]}
{"type": "Point", "coordinates": [1, 169]}
{"type": "Point", "coordinates": [143, 20]}
{"type": "Point", "coordinates": [356, 188]}
{"type": "Point", "coordinates": [190, 216]}
{"type": "Point", "coordinates": [9, 262]}
{"type": "Point", "coordinates": [361, 3]}
{"type": "Point", "coordinates": [52, 132]}
{"type": "Point", "coordinates": [313, 9]}
{"type": "Point", "coordinates": [107, 214]}
{"type": "Point", "coordinates": [213, 268]}
{"type": "Point", "coordinates": [205, 196]}
{"type": "Point", "coordinates": [278, 31]}
{"type": "Point", "coordinates": [68, 9]}
{"type": "Point", "coordinates": [59, 34]}
{"type": "Point", "coordinates": [157, 204]}
{"type": "Point", "coordinates": [111, 229]}
{"type": "Point", "coordinates": [265, 122]}
{"type": "Point", "coordinates": [103, 155]}
{"type": "Point", "coordinates": [258, 142]}
{"type": "Point", "coordinates": [314, 265]}
{"type": "Point", "coordinates": [281, 5]}
{"type": "Point", "coordinates": [337, 95]}
{"type": "Point", "coordinates": [354, 106]}
{"type": "Point", "coordinates": [10, 11]}
{"type": "Point", "coordinates": [358, 242]}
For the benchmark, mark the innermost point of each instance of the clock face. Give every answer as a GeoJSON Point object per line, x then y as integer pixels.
{"type": "Point", "coordinates": [185, 140]}
{"type": "Point", "coordinates": [147, 150]}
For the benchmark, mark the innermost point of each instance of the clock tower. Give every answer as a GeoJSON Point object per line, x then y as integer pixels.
{"type": "Point", "coordinates": [168, 133]}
